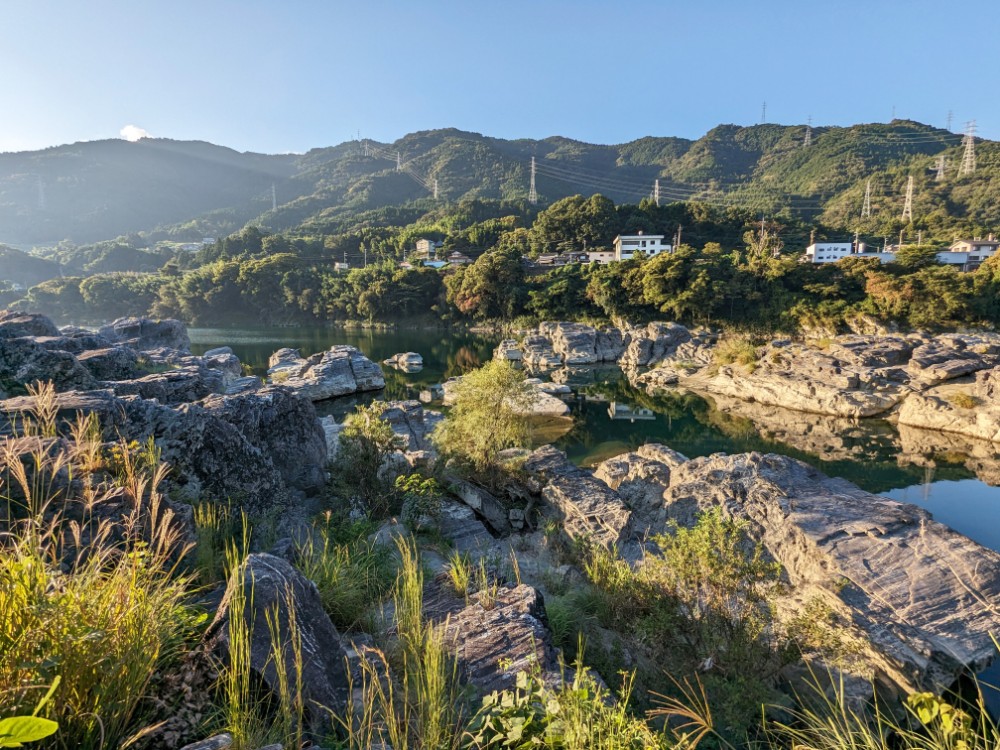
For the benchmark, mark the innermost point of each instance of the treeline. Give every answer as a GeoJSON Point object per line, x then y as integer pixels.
{"type": "Point", "coordinates": [730, 269]}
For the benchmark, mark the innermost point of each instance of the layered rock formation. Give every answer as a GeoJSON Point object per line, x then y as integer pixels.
{"type": "Point", "coordinates": [339, 371]}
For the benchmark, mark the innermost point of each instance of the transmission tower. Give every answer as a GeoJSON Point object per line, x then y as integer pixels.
{"type": "Point", "coordinates": [908, 204]}
{"type": "Point", "coordinates": [940, 165]}
{"type": "Point", "coordinates": [809, 133]}
{"type": "Point", "coordinates": [532, 193]}
{"type": "Point", "coordinates": [656, 193]}
{"type": "Point", "coordinates": [969, 157]}
{"type": "Point", "coordinates": [274, 198]}
{"type": "Point", "coordinates": [435, 188]}
{"type": "Point", "coordinates": [950, 116]}
{"type": "Point", "coordinates": [763, 113]}
{"type": "Point", "coordinates": [866, 209]}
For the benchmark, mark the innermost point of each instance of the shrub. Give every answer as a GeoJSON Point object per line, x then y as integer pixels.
{"type": "Point", "coordinates": [740, 351]}
{"type": "Point", "coordinates": [366, 441]}
{"type": "Point", "coordinates": [963, 400]}
{"type": "Point", "coordinates": [421, 501]}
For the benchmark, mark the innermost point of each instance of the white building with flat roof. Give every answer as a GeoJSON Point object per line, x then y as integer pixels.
{"type": "Point", "coordinates": [650, 245]}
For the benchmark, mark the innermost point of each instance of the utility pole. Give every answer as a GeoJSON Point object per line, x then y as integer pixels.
{"type": "Point", "coordinates": [532, 193]}
{"type": "Point", "coordinates": [812, 236]}
{"type": "Point", "coordinates": [908, 204]}
{"type": "Point", "coordinates": [366, 256]}
{"type": "Point", "coordinates": [939, 167]}
{"type": "Point", "coordinates": [856, 247]}
{"type": "Point", "coordinates": [678, 243]}
{"type": "Point", "coordinates": [900, 239]}
{"type": "Point", "coordinates": [866, 209]}
{"type": "Point", "coordinates": [920, 236]}
{"type": "Point", "coordinates": [274, 198]}
{"type": "Point", "coordinates": [969, 157]}
{"type": "Point", "coordinates": [656, 193]}
{"type": "Point", "coordinates": [809, 133]}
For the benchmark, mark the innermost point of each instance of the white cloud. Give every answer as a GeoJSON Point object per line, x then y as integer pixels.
{"type": "Point", "coordinates": [133, 133]}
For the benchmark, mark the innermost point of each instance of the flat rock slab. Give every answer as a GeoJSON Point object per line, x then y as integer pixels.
{"type": "Point", "coordinates": [924, 595]}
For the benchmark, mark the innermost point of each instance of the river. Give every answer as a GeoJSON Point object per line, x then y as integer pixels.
{"type": "Point", "coordinates": [955, 479]}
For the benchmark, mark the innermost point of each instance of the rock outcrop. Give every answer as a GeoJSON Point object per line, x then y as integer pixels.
{"type": "Point", "coordinates": [493, 641]}
{"type": "Point", "coordinates": [338, 371]}
{"type": "Point", "coordinates": [589, 509]}
{"type": "Point", "coordinates": [921, 594]}
{"type": "Point", "coordinates": [143, 333]}
{"type": "Point", "coordinates": [265, 590]}
{"type": "Point", "coordinates": [972, 410]}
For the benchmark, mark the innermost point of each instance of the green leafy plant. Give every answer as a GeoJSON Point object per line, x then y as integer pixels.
{"type": "Point", "coordinates": [422, 500]}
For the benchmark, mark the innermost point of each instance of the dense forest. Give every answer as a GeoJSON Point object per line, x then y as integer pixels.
{"type": "Point", "coordinates": [730, 269]}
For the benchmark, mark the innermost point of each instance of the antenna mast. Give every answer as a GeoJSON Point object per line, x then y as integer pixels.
{"type": "Point", "coordinates": [532, 193]}
{"type": "Point", "coordinates": [908, 205]}
{"type": "Point", "coordinates": [969, 157]}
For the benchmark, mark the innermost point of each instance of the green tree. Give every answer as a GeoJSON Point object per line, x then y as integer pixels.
{"type": "Point", "coordinates": [489, 415]}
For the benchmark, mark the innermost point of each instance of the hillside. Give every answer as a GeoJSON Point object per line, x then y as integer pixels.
{"type": "Point", "coordinates": [24, 269]}
{"type": "Point", "coordinates": [103, 189]}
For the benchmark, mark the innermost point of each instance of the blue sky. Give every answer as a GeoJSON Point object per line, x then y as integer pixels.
{"type": "Point", "coordinates": [288, 75]}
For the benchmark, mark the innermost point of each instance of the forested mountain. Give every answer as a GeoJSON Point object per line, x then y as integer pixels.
{"type": "Point", "coordinates": [99, 190]}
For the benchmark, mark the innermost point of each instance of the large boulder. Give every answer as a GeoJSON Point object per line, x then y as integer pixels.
{"type": "Point", "coordinates": [283, 612]}
{"type": "Point", "coordinates": [181, 385]}
{"type": "Point", "coordinates": [252, 449]}
{"type": "Point", "coordinates": [339, 371]}
{"type": "Point", "coordinates": [589, 509]}
{"type": "Point", "coordinates": [494, 640]}
{"type": "Point", "coordinates": [920, 593]}
{"type": "Point", "coordinates": [23, 361]}
{"type": "Point", "coordinates": [16, 325]}
{"type": "Point", "coordinates": [144, 333]}
{"type": "Point", "coordinates": [651, 344]}
{"type": "Point", "coordinates": [640, 479]}
{"type": "Point", "coordinates": [972, 409]}
{"type": "Point", "coordinates": [111, 363]}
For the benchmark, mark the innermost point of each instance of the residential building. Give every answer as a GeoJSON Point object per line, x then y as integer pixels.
{"type": "Point", "coordinates": [601, 257]}
{"type": "Point", "coordinates": [627, 245]}
{"type": "Point", "coordinates": [551, 259]}
{"type": "Point", "coordinates": [427, 249]}
{"type": "Point", "coordinates": [831, 252]}
{"type": "Point", "coordinates": [969, 254]}
{"type": "Point", "coordinates": [458, 259]}
{"type": "Point", "coordinates": [339, 266]}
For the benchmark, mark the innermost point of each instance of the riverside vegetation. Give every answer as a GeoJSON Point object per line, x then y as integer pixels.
{"type": "Point", "coordinates": [105, 591]}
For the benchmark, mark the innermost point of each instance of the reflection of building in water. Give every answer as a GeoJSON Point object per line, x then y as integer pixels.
{"type": "Point", "coordinates": [624, 411]}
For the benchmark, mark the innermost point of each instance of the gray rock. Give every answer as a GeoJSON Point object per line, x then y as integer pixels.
{"type": "Point", "coordinates": [590, 510]}
{"type": "Point", "coordinates": [178, 386]}
{"type": "Point", "coordinates": [111, 363]}
{"type": "Point", "coordinates": [270, 588]}
{"type": "Point", "coordinates": [413, 423]}
{"type": "Point", "coordinates": [508, 350]}
{"type": "Point", "coordinates": [653, 343]}
{"type": "Point", "coordinates": [339, 371]}
{"type": "Point", "coordinates": [512, 630]}
{"type": "Point", "coordinates": [16, 325]}
{"type": "Point", "coordinates": [144, 333]}
{"type": "Point", "coordinates": [921, 594]}
{"type": "Point", "coordinates": [218, 742]}
{"type": "Point", "coordinates": [24, 361]}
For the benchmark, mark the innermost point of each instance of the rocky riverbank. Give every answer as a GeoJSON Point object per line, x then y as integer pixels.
{"type": "Point", "coordinates": [940, 382]}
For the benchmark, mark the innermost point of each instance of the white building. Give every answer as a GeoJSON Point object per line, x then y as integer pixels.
{"type": "Point", "coordinates": [427, 249]}
{"type": "Point", "coordinates": [829, 252]}
{"type": "Point", "coordinates": [650, 245]}
{"type": "Point", "coordinates": [969, 254]}
{"type": "Point", "coordinates": [601, 257]}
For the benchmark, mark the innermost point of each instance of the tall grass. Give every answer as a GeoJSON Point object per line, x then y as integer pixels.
{"type": "Point", "coordinates": [97, 604]}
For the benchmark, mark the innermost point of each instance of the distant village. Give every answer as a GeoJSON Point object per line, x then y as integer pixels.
{"type": "Point", "coordinates": [965, 255]}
